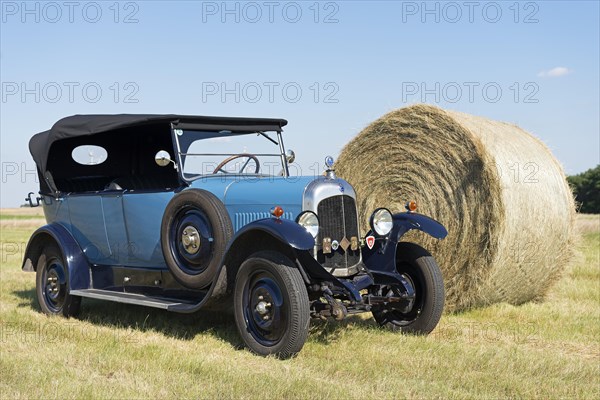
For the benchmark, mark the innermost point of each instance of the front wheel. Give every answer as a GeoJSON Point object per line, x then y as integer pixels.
{"type": "Point", "coordinates": [420, 269]}
{"type": "Point", "coordinates": [271, 305]}
{"type": "Point", "coordinates": [52, 284]}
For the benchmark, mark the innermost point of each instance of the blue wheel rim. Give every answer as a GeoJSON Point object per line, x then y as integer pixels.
{"type": "Point", "coordinates": [191, 219]}
{"type": "Point", "coordinates": [266, 324]}
{"type": "Point", "coordinates": [55, 285]}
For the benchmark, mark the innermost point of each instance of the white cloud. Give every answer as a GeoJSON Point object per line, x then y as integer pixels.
{"type": "Point", "coordinates": [555, 72]}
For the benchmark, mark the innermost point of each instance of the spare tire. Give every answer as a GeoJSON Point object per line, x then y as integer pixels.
{"type": "Point", "coordinates": [195, 231]}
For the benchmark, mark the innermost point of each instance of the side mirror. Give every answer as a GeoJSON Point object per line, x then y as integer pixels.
{"type": "Point", "coordinates": [290, 156]}
{"type": "Point", "coordinates": [30, 200]}
{"type": "Point", "coordinates": [163, 158]}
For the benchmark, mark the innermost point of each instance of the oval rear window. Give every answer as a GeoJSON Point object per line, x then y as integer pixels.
{"type": "Point", "coordinates": [89, 154]}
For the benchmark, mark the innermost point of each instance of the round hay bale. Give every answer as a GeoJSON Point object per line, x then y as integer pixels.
{"type": "Point", "coordinates": [498, 190]}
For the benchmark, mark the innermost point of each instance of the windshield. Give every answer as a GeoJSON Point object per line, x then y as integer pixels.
{"type": "Point", "coordinates": [204, 153]}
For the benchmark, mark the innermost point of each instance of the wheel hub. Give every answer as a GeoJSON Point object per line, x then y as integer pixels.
{"type": "Point", "coordinates": [263, 308]}
{"type": "Point", "coordinates": [402, 313]}
{"type": "Point", "coordinates": [52, 284]}
{"type": "Point", "coordinates": [190, 238]}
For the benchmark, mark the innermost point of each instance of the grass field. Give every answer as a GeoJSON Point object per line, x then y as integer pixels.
{"type": "Point", "coordinates": [544, 350]}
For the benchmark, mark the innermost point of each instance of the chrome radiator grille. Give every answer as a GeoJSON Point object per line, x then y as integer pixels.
{"type": "Point", "coordinates": [338, 220]}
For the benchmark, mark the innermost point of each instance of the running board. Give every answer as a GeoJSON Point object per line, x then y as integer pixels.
{"type": "Point", "coordinates": [164, 303]}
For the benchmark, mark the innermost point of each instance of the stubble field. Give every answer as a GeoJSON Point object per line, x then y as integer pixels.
{"type": "Point", "coordinates": [549, 349]}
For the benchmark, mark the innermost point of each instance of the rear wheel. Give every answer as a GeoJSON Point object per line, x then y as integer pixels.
{"type": "Point", "coordinates": [420, 269]}
{"type": "Point", "coordinates": [52, 284]}
{"type": "Point", "coordinates": [271, 305]}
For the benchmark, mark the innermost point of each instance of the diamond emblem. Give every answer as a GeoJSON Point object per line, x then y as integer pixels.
{"type": "Point", "coordinates": [344, 243]}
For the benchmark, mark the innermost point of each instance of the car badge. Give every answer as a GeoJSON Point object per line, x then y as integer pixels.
{"type": "Point", "coordinates": [344, 243]}
{"type": "Point", "coordinates": [370, 242]}
{"type": "Point", "coordinates": [342, 188]}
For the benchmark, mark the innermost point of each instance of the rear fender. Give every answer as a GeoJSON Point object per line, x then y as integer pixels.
{"type": "Point", "coordinates": [77, 264]}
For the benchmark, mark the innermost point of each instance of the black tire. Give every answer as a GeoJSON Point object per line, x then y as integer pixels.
{"type": "Point", "coordinates": [280, 326]}
{"type": "Point", "coordinates": [194, 262]}
{"type": "Point", "coordinates": [423, 272]}
{"type": "Point", "coordinates": [52, 284]}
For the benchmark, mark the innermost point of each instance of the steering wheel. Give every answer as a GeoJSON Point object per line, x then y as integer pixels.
{"type": "Point", "coordinates": [219, 167]}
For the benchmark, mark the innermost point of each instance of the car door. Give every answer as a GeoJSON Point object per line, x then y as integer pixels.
{"type": "Point", "coordinates": [143, 212]}
{"type": "Point", "coordinates": [114, 223]}
{"type": "Point", "coordinates": [98, 225]}
{"type": "Point", "coordinates": [88, 226]}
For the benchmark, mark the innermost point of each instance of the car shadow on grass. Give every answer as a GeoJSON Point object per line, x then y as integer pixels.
{"type": "Point", "coordinates": [27, 298]}
{"type": "Point", "coordinates": [219, 325]}
{"type": "Point", "coordinates": [145, 319]}
{"type": "Point", "coordinates": [329, 331]}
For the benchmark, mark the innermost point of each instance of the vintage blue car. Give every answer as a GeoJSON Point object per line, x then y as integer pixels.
{"type": "Point", "coordinates": [187, 213]}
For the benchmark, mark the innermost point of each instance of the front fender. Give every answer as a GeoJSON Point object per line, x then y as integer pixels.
{"type": "Point", "coordinates": [269, 233]}
{"type": "Point", "coordinates": [404, 222]}
{"type": "Point", "coordinates": [77, 264]}
{"type": "Point", "coordinates": [381, 259]}
{"type": "Point", "coordinates": [288, 232]}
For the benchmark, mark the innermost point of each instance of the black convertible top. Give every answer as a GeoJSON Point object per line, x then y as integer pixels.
{"type": "Point", "coordinates": [82, 125]}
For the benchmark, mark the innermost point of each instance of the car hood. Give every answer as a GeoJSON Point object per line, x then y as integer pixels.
{"type": "Point", "coordinates": [252, 192]}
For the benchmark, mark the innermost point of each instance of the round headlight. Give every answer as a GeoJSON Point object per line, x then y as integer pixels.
{"type": "Point", "coordinates": [309, 221]}
{"type": "Point", "coordinates": [381, 221]}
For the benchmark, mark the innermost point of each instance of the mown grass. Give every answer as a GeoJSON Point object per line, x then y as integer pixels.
{"type": "Point", "coordinates": [24, 212]}
{"type": "Point", "coordinates": [549, 349]}
{"type": "Point", "coordinates": [14, 217]}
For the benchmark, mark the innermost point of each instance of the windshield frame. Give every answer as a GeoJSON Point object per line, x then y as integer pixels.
{"type": "Point", "coordinates": [224, 133]}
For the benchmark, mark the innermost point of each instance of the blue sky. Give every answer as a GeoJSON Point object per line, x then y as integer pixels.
{"type": "Point", "coordinates": [330, 68]}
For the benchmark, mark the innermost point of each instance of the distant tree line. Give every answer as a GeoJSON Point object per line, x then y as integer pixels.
{"type": "Point", "coordinates": [586, 187]}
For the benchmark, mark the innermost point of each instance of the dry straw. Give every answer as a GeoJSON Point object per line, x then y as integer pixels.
{"type": "Point", "coordinates": [498, 190]}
